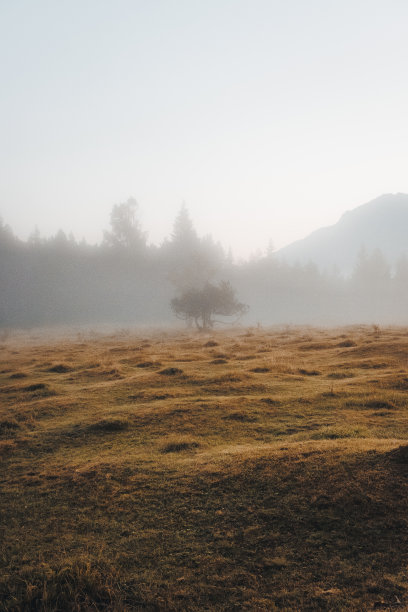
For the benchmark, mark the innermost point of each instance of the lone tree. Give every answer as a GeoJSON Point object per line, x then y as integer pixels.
{"type": "Point", "coordinates": [201, 305]}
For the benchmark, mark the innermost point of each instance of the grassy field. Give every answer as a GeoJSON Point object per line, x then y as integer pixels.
{"type": "Point", "coordinates": [243, 470]}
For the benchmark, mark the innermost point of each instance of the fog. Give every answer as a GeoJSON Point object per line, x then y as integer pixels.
{"type": "Point", "coordinates": [269, 119]}
{"type": "Point", "coordinates": [125, 281]}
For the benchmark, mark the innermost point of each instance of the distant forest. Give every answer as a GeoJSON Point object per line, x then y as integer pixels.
{"type": "Point", "coordinates": [126, 281]}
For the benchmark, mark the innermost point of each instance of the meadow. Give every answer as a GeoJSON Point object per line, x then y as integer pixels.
{"type": "Point", "coordinates": [246, 469]}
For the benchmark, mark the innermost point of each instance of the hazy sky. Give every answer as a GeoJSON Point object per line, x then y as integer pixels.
{"type": "Point", "coordinates": [269, 118]}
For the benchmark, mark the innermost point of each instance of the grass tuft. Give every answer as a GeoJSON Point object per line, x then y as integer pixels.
{"type": "Point", "coordinates": [8, 425]}
{"type": "Point", "coordinates": [241, 416]}
{"type": "Point", "coordinates": [346, 344]}
{"type": "Point", "coordinates": [339, 432]}
{"type": "Point", "coordinates": [380, 405]}
{"type": "Point", "coordinates": [109, 425]}
{"type": "Point", "coordinates": [80, 586]}
{"type": "Point", "coordinates": [60, 368]}
{"type": "Point", "coordinates": [171, 371]}
{"type": "Point", "coordinates": [177, 444]}
{"type": "Point", "coordinates": [145, 364]}
{"type": "Point", "coordinates": [309, 372]}
{"type": "Point", "coordinates": [36, 387]}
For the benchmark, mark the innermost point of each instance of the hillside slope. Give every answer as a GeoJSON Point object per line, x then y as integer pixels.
{"type": "Point", "coordinates": [381, 223]}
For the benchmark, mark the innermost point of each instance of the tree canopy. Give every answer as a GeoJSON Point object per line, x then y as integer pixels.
{"type": "Point", "coordinates": [125, 228]}
{"type": "Point", "coordinates": [201, 305]}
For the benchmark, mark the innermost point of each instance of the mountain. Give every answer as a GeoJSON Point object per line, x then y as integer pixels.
{"type": "Point", "coordinates": [381, 223]}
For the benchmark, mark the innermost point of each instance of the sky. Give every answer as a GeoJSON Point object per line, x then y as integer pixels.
{"type": "Point", "coordinates": [268, 118]}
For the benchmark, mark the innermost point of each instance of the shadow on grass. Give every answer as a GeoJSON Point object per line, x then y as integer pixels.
{"type": "Point", "coordinates": [311, 531]}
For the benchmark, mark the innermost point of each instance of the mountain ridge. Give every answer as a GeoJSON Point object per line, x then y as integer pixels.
{"type": "Point", "coordinates": [381, 224]}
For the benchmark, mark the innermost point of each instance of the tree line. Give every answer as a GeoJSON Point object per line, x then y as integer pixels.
{"type": "Point", "coordinates": [124, 280]}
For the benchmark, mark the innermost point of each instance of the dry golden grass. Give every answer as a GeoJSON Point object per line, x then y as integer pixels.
{"type": "Point", "coordinates": [243, 470]}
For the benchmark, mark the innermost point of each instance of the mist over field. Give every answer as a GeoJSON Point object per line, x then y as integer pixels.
{"type": "Point", "coordinates": [354, 272]}
{"type": "Point", "coordinates": [274, 122]}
